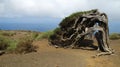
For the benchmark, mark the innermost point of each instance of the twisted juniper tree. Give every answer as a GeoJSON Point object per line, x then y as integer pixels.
{"type": "Point", "coordinates": [73, 29]}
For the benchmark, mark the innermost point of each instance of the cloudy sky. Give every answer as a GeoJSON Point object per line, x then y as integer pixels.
{"type": "Point", "coordinates": [42, 9]}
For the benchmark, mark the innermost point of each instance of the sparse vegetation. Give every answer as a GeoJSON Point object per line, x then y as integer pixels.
{"type": "Point", "coordinates": [7, 33]}
{"type": "Point", "coordinates": [18, 45]}
{"type": "Point", "coordinates": [25, 44]}
{"type": "Point", "coordinates": [34, 35]}
{"type": "Point", "coordinates": [45, 35]}
{"type": "Point", "coordinates": [114, 36]}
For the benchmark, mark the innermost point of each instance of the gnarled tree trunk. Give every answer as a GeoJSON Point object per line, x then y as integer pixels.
{"type": "Point", "coordinates": [73, 29]}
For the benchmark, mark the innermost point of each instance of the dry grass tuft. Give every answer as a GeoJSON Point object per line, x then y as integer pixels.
{"type": "Point", "coordinates": [25, 46]}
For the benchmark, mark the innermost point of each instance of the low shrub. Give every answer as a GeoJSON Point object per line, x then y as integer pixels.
{"type": "Point", "coordinates": [12, 46]}
{"type": "Point", "coordinates": [114, 36]}
{"type": "Point", "coordinates": [44, 35]}
{"type": "Point", "coordinates": [34, 35]}
{"type": "Point", "coordinates": [4, 43]}
{"type": "Point", "coordinates": [7, 33]}
{"type": "Point", "coordinates": [25, 46]}
{"type": "Point", "coordinates": [20, 45]}
{"type": "Point", "coordinates": [7, 44]}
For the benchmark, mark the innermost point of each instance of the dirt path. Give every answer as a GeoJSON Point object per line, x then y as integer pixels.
{"type": "Point", "coordinates": [48, 56]}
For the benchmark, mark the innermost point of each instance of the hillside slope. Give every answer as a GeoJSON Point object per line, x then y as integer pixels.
{"type": "Point", "coordinates": [48, 56]}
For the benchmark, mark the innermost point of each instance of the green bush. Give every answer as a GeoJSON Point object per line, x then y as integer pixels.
{"type": "Point", "coordinates": [4, 43]}
{"type": "Point", "coordinates": [114, 36]}
{"type": "Point", "coordinates": [7, 44]}
{"type": "Point", "coordinates": [34, 35]}
{"type": "Point", "coordinates": [12, 46]}
{"type": "Point", "coordinates": [45, 35]}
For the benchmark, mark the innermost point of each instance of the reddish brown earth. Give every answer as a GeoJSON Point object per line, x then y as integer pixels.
{"type": "Point", "coordinates": [48, 56]}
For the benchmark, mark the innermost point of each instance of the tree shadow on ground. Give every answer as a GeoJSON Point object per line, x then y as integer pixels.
{"type": "Point", "coordinates": [86, 44]}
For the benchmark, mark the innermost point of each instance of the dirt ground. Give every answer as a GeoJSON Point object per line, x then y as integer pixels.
{"type": "Point", "coordinates": [49, 56]}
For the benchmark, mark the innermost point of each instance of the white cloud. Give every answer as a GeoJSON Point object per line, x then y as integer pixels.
{"type": "Point", "coordinates": [57, 8]}
{"type": "Point", "coordinates": [1, 8]}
